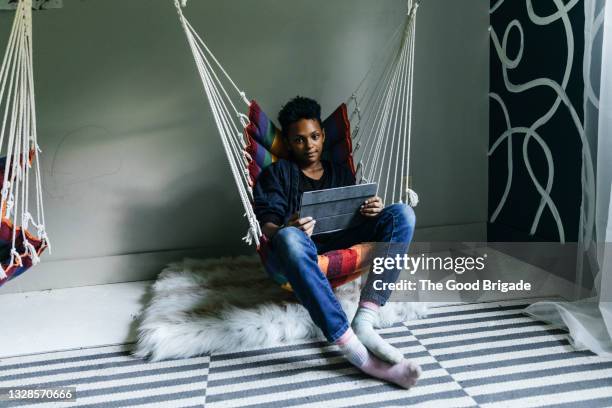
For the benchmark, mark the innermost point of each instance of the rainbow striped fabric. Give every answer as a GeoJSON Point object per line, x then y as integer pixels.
{"type": "Point", "coordinates": [264, 148]}
{"type": "Point", "coordinates": [265, 144]}
{"type": "Point", "coordinates": [19, 265]}
{"type": "Point", "coordinates": [340, 266]}
{"type": "Point", "coordinates": [24, 262]}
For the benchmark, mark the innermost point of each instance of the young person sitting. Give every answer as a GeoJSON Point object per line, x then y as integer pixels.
{"type": "Point", "coordinates": [276, 202]}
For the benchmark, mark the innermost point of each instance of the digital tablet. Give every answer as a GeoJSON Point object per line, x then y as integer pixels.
{"type": "Point", "coordinates": [337, 208]}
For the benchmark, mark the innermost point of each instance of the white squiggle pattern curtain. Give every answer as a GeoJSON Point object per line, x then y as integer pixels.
{"type": "Point", "coordinates": [531, 132]}
{"type": "Point", "coordinates": [590, 320]}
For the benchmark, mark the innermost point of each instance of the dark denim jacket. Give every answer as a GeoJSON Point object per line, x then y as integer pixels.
{"type": "Point", "coordinates": [276, 194]}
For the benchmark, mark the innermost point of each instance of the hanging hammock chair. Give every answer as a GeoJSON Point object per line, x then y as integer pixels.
{"type": "Point", "coordinates": [376, 150]}
{"type": "Point", "coordinates": [19, 247]}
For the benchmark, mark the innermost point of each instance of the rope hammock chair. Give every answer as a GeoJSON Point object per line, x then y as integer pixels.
{"type": "Point", "coordinates": [376, 150]}
{"type": "Point", "coordinates": [19, 248]}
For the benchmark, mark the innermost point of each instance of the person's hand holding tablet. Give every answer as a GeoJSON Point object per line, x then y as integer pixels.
{"type": "Point", "coordinates": [372, 207]}
{"type": "Point", "coordinates": [305, 224]}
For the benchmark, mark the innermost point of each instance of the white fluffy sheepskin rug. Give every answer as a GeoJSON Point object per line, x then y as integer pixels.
{"type": "Point", "coordinates": [230, 304]}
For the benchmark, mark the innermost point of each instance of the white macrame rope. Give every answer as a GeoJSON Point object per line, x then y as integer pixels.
{"type": "Point", "coordinates": [389, 130]}
{"type": "Point", "coordinates": [15, 128]}
{"type": "Point", "coordinates": [233, 136]}
{"type": "Point", "coordinates": [4, 72]}
{"type": "Point", "coordinates": [8, 106]}
{"type": "Point", "coordinates": [187, 26]}
{"type": "Point", "coordinates": [241, 93]}
{"type": "Point", "coordinates": [403, 123]}
{"type": "Point", "coordinates": [374, 98]}
{"type": "Point", "coordinates": [15, 131]}
{"type": "Point", "coordinates": [382, 109]}
{"type": "Point", "coordinates": [383, 133]}
{"type": "Point", "coordinates": [18, 138]}
{"type": "Point", "coordinates": [210, 68]}
{"type": "Point", "coordinates": [406, 98]}
{"type": "Point", "coordinates": [40, 213]}
{"type": "Point", "coordinates": [396, 135]}
{"type": "Point", "coordinates": [216, 107]}
{"type": "Point", "coordinates": [231, 131]}
{"type": "Point", "coordinates": [20, 134]}
{"type": "Point", "coordinates": [386, 60]}
{"type": "Point", "coordinates": [374, 91]}
{"type": "Point", "coordinates": [385, 56]}
{"type": "Point", "coordinates": [376, 118]}
{"type": "Point", "coordinates": [411, 196]}
{"type": "Point", "coordinates": [375, 169]}
{"type": "Point", "coordinates": [227, 121]}
{"type": "Point", "coordinates": [397, 128]}
{"type": "Point", "coordinates": [388, 122]}
{"type": "Point", "coordinates": [7, 66]}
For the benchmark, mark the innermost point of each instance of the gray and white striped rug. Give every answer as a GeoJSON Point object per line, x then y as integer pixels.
{"type": "Point", "coordinates": [485, 354]}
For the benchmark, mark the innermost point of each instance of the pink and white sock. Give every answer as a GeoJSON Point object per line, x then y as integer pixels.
{"type": "Point", "coordinates": [405, 373]}
{"type": "Point", "coordinates": [363, 325]}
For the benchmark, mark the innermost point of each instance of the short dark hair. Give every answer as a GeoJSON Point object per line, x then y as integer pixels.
{"type": "Point", "coordinates": [296, 109]}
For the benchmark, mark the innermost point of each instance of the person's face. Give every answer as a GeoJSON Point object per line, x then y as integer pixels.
{"type": "Point", "coordinates": [305, 140]}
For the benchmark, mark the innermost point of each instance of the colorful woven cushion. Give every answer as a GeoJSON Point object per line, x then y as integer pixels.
{"type": "Point", "coordinates": [340, 266]}
{"type": "Point", "coordinates": [265, 147]}
{"type": "Point", "coordinates": [265, 144]}
{"type": "Point", "coordinates": [24, 262]}
{"type": "Point", "coordinates": [345, 265]}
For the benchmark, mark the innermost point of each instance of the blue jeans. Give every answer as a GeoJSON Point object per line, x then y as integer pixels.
{"type": "Point", "coordinates": [298, 254]}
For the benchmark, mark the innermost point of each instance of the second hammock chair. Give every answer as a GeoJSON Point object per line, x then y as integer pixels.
{"type": "Point", "coordinates": [379, 143]}
{"type": "Point", "coordinates": [20, 248]}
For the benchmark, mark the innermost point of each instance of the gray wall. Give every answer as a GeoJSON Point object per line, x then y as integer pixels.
{"type": "Point", "coordinates": [134, 174]}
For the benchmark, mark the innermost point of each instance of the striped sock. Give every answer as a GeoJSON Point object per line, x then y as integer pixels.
{"type": "Point", "coordinates": [363, 325]}
{"type": "Point", "coordinates": [352, 348]}
{"type": "Point", "coordinates": [405, 373]}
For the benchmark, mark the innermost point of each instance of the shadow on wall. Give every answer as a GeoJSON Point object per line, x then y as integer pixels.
{"type": "Point", "coordinates": [212, 221]}
{"type": "Point", "coordinates": [145, 199]}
